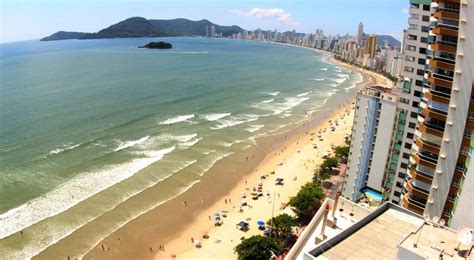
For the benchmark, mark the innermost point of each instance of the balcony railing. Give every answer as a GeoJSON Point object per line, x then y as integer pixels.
{"type": "Point", "coordinates": [434, 127]}
{"type": "Point", "coordinates": [425, 170]}
{"type": "Point", "coordinates": [442, 77]}
{"type": "Point", "coordinates": [418, 202]}
{"type": "Point", "coordinates": [428, 157]}
{"type": "Point", "coordinates": [449, 10]}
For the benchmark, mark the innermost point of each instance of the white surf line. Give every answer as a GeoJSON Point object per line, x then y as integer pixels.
{"type": "Point", "coordinates": [40, 248]}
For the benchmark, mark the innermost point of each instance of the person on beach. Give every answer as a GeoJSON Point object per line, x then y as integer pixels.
{"type": "Point", "coordinates": [151, 249]}
{"type": "Point", "coordinates": [192, 239]}
{"type": "Point", "coordinates": [185, 204]}
{"type": "Point", "coordinates": [225, 201]}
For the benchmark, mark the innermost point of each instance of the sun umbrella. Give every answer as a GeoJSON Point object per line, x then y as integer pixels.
{"type": "Point", "coordinates": [217, 214]}
{"type": "Point", "coordinates": [260, 223]}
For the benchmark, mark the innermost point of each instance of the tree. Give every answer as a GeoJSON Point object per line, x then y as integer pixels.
{"type": "Point", "coordinates": [341, 152]}
{"type": "Point", "coordinates": [330, 163]}
{"type": "Point", "coordinates": [307, 201]}
{"type": "Point", "coordinates": [282, 225]}
{"type": "Point", "coordinates": [257, 247]}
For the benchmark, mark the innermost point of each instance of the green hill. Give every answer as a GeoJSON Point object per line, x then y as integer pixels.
{"type": "Point", "coordinates": [141, 27]}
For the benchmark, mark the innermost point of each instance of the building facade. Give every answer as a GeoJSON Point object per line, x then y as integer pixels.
{"type": "Point", "coordinates": [409, 91]}
{"type": "Point", "coordinates": [373, 125]}
{"type": "Point", "coordinates": [445, 123]}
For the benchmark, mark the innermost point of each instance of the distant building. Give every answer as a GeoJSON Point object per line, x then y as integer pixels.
{"type": "Point", "coordinates": [371, 45]}
{"type": "Point", "coordinates": [360, 33]}
{"type": "Point", "coordinates": [375, 114]}
{"type": "Point", "coordinates": [213, 31]}
{"type": "Point", "coordinates": [208, 34]}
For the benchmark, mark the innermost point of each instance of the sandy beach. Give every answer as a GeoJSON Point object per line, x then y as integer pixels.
{"type": "Point", "coordinates": [293, 156]}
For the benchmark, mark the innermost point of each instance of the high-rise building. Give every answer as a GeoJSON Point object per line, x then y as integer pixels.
{"type": "Point", "coordinates": [371, 45]}
{"type": "Point", "coordinates": [442, 146]}
{"type": "Point", "coordinates": [409, 91]}
{"type": "Point", "coordinates": [213, 31]}
{"type": "Point", "coordinates": [208, 34]}
{"type": "Point", "coordinates": [376, 109]}
{"type": "Point", "coordinates": [360, 33]}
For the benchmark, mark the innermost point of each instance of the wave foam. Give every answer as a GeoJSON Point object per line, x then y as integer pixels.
{"type": "Point", "coordinates": [254, 128]}
{"type": "Point", "coordinates": [125, 145]}
{"type": "Point", "coordinates": [340, 80]}
{"type": "Point", "coordinates": [268, 101]}
{"type": "Point", "coordinates": [73, 192]}
{"type": "Point", "coordinates": [215, 116]}
{"type": "Point", "coordinates": [303, 94]}
{"type": "Point", "coordinates": [233, 121]}
{"type": "Point", "coordinates": [176, 119]}
{"type": "Point", "coordinates": [274, 93]}
{"type": "Point", "coordinates": [318, 79]}
{"type": "Point", "coordinates": [324, 68]}
{"type": "Point", "coordinates": [66, 147]}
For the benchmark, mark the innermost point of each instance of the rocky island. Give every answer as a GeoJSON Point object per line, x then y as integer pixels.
{"type": "Point", "coordinates": [157, 45]}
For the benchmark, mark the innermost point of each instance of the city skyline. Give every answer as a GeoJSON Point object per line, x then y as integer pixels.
{"type": "Point", "coordinates": [32, 20]}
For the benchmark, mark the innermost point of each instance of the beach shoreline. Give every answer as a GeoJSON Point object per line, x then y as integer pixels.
{"type": "Point", "coordinates": [180, 242]}
{"type": "Point", "coordinates": [172, 224]}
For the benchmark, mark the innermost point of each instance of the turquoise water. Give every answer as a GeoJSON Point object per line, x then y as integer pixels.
{"type": "Point", "coordinates": [373, 194]}
{"type": "Point", "coordinates": [79, 117]}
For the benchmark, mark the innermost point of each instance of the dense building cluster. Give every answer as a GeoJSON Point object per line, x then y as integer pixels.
{"type": "Point", "coordinates": [361, 49]}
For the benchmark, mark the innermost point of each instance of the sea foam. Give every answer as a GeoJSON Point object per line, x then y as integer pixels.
{"type": "Point", "coordinates": [73, 192]}
{"type": "Point", "coordinates": [176, 119]}
{"type": "Point", "coordinates": [215, 116]}
{"type": "Point", "coordinates": [127, 144]}
{"type": "Point", "coordinates": [66, 147]}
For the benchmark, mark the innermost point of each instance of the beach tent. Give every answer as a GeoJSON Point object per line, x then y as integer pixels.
{"type": "Point", "coordinates": [243, 203]}
{"type": "Point", "coordinates": [268, 232]}
{"type": "Point", "coordinates": [260, 223]}
{"type": "Point", "coordinates": [244, 226]}
{"type": "Point", "coordinates": [279, 180]}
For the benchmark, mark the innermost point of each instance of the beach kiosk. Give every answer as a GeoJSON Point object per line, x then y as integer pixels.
{"type": "Point", "coordinates": [244, 226]}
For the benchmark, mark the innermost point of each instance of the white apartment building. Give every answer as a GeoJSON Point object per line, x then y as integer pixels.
{"type": "Point", "coordinates": [373, 127]}
{"type": "Point", "coordinates": [409, 91]}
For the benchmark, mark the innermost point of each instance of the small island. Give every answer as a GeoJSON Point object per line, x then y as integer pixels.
{"type": "Point", "coordinates": [157, 45]}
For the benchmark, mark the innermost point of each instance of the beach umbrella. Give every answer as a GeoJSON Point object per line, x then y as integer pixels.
{"type": "Point", "coordinates": [217, 214]}
{"type": "Point", "coordinates": [260, 223]}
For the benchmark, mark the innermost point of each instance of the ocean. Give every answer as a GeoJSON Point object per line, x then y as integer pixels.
{"type": "Point", "coordinates": [87, 125]}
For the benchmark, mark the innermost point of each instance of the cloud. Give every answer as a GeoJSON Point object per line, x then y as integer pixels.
{"type": "Point", "coordinates": [405, 10]}
{"type": "Point", "coordinates": [262, 13]}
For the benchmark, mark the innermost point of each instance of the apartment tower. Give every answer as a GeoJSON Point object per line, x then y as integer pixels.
{"type": "Point", "coordinates": [409, 91]}
{"type": "Point", "coordinates": [371, 45]}
{"type": "Point", "coordinates": [443, 136]}
{"type": "Point", "coordinates": [375, 113]}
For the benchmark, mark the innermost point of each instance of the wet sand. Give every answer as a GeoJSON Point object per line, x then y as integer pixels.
{"type": "Point", "coordinates": [173, 223]}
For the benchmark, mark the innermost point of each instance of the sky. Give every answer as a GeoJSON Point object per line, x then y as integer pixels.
{"type": "Point", "coordinates": [34, 19]}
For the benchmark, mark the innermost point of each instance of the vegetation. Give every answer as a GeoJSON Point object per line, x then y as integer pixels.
{"type": "Point", "coordinates": [157, 45]}
{"type": "Point", "coordinates": [282, 225]}
{"type": "Point", "coordinates": [383, 73]}
{"type": "Point", "coordinates": [62, 35]}
{"type": "Point", "coordinates": [307, 202]}
{"type": "Point", "coordinates": [141, 27]}
{"type": "Point", "coordinates": [257, 247]}
{"type": "Point", "coordinates": [342, 152]}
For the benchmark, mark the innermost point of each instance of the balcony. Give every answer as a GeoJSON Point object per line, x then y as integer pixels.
{"type": "Point", "coordinates": [431, 147]}
{"type": "Point", "coordinates": [406, 203]}
{"type": "Point", "coordinates": [446, 14]}
{"type": "Point", "coordinates": [433, 113]}
{"type": "Point", "coordinates": [420, 176]}
{"type": "Point", "coordinates": [442, 76]}
{"type": "Point", "coordinates": [435, 129]}
{"type": "Point", "coordinates": [426, 158]}
{"type": "Point", "coordinates": [438, 81]}
{"type": "Point", "coordinates": [436, 63]}
{"type": "Point", "coordinates": [442, 30]}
